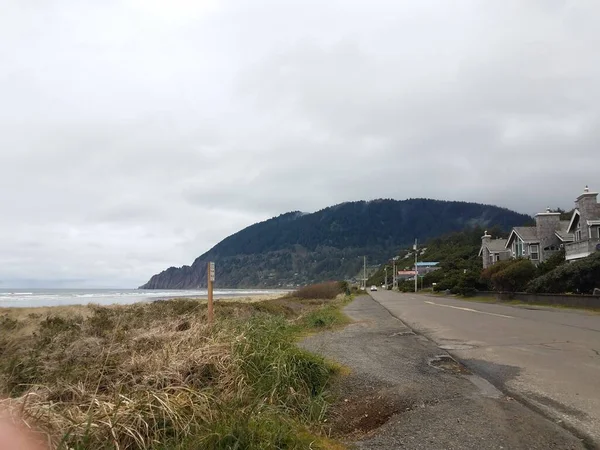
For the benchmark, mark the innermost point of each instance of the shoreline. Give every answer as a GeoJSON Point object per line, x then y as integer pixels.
{"type": "Point", "coordinates": [65, 298]}
{"type": "Point", "coordinates": [16, 312]}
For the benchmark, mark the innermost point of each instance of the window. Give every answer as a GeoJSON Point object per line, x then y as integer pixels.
{"type": "Point", "coordinates": [535, 251]}
{"type": "Point", "coordinates": [578, 235]}
{"type": "Point", "coordinates": [519, 249]}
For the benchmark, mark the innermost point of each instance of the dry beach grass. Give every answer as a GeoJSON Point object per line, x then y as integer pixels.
{"type": "Point", "coordinates": [157, 376]}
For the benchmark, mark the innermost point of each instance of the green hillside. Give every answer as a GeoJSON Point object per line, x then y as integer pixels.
{"type": "Point", "coordinates": [297, 248]}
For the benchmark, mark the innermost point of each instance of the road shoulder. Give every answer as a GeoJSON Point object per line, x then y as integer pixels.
{"type": "Point", "coordinates": [405, 392]}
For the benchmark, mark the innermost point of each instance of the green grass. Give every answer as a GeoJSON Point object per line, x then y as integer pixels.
{"type": "Point", "coordinates": [327, 317]}
{"type": "Point", "coordinates": [479, 299]}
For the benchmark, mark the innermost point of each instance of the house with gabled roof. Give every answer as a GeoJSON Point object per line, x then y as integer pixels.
{"type": "Point", "coordinates": [541, 241]}
{"type": "Point", "coordinates": [584, 226]}
{"type": "Point", "coordinates": [493, 250]}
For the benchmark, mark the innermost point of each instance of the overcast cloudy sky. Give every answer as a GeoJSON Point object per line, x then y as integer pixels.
{"type": "Point", "coordinates": [136, 134]}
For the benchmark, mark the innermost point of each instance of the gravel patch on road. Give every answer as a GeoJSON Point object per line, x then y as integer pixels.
{"type": "Point", "coordinates": [405, 392]}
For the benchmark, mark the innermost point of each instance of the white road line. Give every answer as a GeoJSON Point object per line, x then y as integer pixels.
{"type": "Point", "coordinates": [471, 310]}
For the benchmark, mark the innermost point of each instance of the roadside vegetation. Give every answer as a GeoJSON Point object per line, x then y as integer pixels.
{"type": "Point", "coordinates": [460, 271]}
{"type": "Point", "coordinates": [157, 376]}
{"type": "Point", "coordinates": [582, 276]}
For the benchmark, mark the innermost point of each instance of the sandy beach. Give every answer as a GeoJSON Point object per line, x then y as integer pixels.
{"type": "Point", "coordinates": [21, 313]}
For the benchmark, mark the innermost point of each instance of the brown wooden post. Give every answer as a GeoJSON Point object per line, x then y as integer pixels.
{"type": "Point", "coordinates": [210, 276]}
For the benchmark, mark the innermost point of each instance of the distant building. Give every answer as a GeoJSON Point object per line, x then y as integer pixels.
{"type": "Point", "coordinates": [584, 227]}
{"type": "Point", "coordinates": [493, 250]}
{"type": "Point", "coordinates": [423, 268]}
{"type": "Point", "coordinates": [406, 275]}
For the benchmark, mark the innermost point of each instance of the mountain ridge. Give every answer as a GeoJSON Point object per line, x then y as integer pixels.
{"type": "Point", "coordinates": [297, 248]}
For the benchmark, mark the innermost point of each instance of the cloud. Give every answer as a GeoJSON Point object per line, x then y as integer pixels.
{"type": "Point", "coordinates": [134, 135]}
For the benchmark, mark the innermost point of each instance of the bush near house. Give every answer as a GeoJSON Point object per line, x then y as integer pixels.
{"type": "Point", "coordinates": [577, 277]}
{"type": "Point", "coordinates": [467, 285]}
{"type": "Point", "coordinates": [552, 263]}
{"type": "Point", "coordinates": [458, 282]}
{"type": "Point", "coordinates": [487, 274]}
{"type": "Point", "coordinates": [509, 276]}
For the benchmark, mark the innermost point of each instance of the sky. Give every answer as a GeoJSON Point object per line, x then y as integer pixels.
{"type": "Point", "coordinates": [136, 134]}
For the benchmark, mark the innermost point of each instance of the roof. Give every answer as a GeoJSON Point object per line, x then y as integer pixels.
{"type": "Point", "coordinates": [563, 232]}
{"type": "Point", "coordinates": [496, 245]}
{"type": "Point", "coordinates": [564, 236]}
{"type": "Point", "coordinates": [572, 222]}
{"type": "Point", "coordinates": [526, 234]}
{"type": "Point", "coordinates": [427, 264]}
{"type": "Point", "coordinates": [595, 215]}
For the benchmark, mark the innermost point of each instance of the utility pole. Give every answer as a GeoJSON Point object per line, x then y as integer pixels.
{"type": "Point", "coordinates": [386, 283]}
{"type": "Point", "coordinates": [365, 273]}
{"type": "Point", "coordinates": [394, 276]}
{"type": "Point", "coordinates": [416, 268]}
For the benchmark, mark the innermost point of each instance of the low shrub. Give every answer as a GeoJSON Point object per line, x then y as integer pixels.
{"type": "Point", "coordinates": [514, 277]}
{"type": "Point", "coordinates": [325, 291]}
{"type": "Point", "coordinates": [555, 260]}
{"type": "Point", "coordinates": [487, 274]}
{"type": "Point", "coordinates": [9, 324]}
{"type": "Point", "coordinates": [406, 286]}
{"type": "Point", "coordinates": [581, 277]}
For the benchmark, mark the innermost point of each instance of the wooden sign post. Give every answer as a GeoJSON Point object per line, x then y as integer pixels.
{"type": "Point", "coordinates": [210, 278]}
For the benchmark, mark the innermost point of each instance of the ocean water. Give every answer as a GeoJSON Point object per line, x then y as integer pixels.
{"type": "Point", "coordinates": [54, 297]}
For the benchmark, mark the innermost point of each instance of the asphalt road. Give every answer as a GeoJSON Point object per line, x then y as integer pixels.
{"type": "Point", "coordinates": [548, 358]}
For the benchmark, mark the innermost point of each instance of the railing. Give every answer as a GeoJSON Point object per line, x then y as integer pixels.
{"type": "Point", "coordinates": [581, 249]}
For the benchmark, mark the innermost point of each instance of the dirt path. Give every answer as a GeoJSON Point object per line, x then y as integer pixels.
{"type": "Point", "coordinates": [405, 392]}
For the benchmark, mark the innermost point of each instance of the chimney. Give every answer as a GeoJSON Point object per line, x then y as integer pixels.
{"type": "Point", "coordinates": [586, 203]}
{"type": "Point", "coordinates": [547, 223]}
{"type": "Point", "coordinates": [486, 238]}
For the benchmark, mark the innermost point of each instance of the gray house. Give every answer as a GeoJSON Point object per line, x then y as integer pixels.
{"type": "Point", "coordinates": [539, 242]}
{"type": "Point", "coordinates": [585, 227]}
{"type": "Point", "coordinates": [493, 250]}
